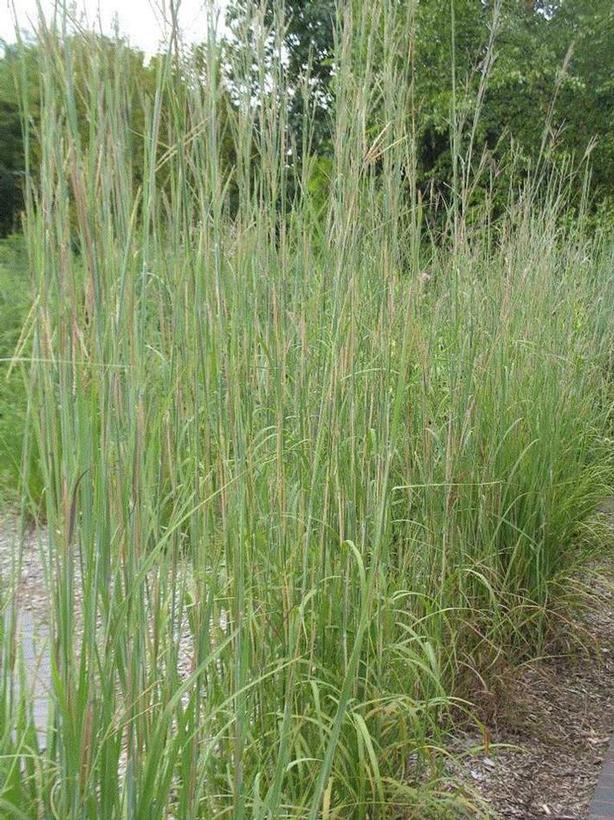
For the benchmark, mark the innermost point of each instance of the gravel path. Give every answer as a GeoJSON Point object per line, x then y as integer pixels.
{"type": "Point", "coordinates": [23, 576]}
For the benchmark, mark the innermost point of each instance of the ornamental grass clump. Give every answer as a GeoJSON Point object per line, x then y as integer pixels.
{"type": "Point", "coordinates": [346, 491]}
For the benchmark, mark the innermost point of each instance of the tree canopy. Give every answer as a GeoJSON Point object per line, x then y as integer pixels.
{"type": "Point", "coordinates": [540, 74]}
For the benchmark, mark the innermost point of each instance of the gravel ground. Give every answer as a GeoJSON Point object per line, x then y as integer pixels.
{"type": "Point", "coordinates": [23, 577]}
{"type": "Point", "coordinates": [30, 589]}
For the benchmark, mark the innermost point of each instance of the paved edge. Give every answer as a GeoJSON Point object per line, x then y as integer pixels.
{"type": "Point", "coordinates": [602, 805]}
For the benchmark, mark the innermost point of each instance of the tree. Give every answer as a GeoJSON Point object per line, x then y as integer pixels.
{"type": "Point", "coordinates": [309, 34]}
{"type": "Point", "coordinates": [549, 91]}
{"type": "Point", "coordinates": [11, 141]}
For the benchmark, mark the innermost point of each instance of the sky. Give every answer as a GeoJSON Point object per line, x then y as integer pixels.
{"type": "Point", "coordinates": [141, 21]}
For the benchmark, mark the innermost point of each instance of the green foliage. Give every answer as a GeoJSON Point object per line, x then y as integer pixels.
{"type": "Point", "coordinates": [20, 75]}
{"type": "Point", "coordinates": [539, 75]}
{"type": "Point", "coordinates": [11, 148]}
{"type": "Point", "coordinates": [308, 37]}
{"type": "Point", "coordinates": [15, 305]}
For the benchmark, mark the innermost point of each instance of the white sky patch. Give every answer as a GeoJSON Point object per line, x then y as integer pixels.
{"type": "Point", "coordinates": [143, 22]}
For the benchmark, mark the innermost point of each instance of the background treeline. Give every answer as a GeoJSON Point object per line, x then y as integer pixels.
{"type": "Point", "coordinates": [526, 82]}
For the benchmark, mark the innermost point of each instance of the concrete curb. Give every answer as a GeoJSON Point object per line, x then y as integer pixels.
{"type": "Point", "coordinates": [602, 805]}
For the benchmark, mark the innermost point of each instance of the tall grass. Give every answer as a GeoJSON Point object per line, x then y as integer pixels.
{"type": "Point", "coordinates": [348, 462]}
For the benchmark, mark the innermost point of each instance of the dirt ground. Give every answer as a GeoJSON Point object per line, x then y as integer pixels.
{"type": "Point", "coordinates": [554, 717]}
